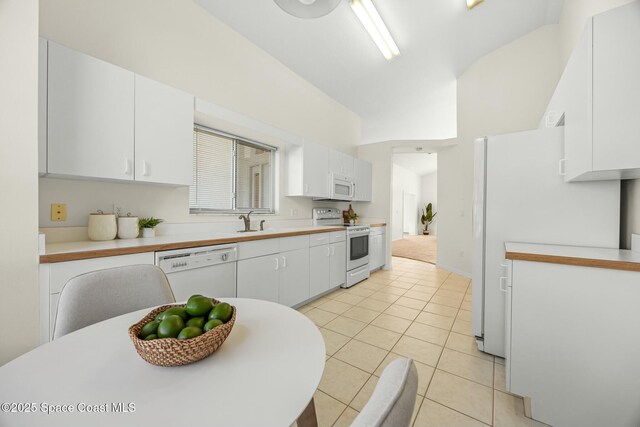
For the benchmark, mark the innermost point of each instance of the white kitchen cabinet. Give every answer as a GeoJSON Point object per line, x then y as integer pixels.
{"type": "Point", "coordinates": [338, 261]}
{"type": "Point", "coordinates": [572, 348]}
{"type": "Point", "coordinates": [341, 163]}
{"type": "Point", "coordinates": [274, 269]}
{"type": "Point", "coordinates": [259, 278]}
{"type": "Point", "coordinates": [42, 105]}
{"type": "Point", "coordinates": [163, 133]}
{"type": "Point", "coordinates": [320, 269]}
{"type": "Point", "coordinates": [308, 170]}
{"type": "Point", "coordinates": [54, 276]}
{"type": "Point", "coordinates": [294, 277]}
{"type": "Point", "coordinates": [603, 99]}
{"type": "Point", "coordinates": [377, 248]}
{"type": "Point", "coordinates": [90, 130]}
{"type": "Point", "coordinates": [363, 180]}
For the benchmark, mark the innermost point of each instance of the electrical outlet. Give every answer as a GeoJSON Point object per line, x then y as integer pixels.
{"type": "Point", "coordinates": [58, 212]}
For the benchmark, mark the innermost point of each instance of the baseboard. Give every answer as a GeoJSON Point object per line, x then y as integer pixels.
{"type": "Point", "coordinates": [455, 270]}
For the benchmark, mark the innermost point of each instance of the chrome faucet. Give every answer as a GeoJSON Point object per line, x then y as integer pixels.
{"type": "Point", "coordinates": [247, 221]}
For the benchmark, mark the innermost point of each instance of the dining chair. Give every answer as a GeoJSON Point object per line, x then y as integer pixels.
{"type": "Point", "coordinates": [103, 294]}
{"type": "Point", "coordinates": [392, 401]}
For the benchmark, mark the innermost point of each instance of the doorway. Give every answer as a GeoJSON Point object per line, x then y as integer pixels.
{"type": "Point", "coordinates": [414, 187]}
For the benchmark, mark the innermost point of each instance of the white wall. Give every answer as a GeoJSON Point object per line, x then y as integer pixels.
{"type": "Point", "coordinates": [178, 43]}
{"type": "Point", "coordinates": [19, 304]}
{"type": "Point", "coordinates": [504, 91]}
{"type": "Point", "coordinates": [404, 181]}
{"type": "Point", "coordinates": [429, 184]}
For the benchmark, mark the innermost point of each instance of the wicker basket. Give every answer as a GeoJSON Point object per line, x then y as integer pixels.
{"type": "Point", "coordinates": [175, 352]}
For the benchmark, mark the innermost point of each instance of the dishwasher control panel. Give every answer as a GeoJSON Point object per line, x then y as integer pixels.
{"type": "Point", "coordinates": [187, 259]}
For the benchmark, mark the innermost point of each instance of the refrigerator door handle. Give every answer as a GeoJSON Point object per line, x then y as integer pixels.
{"type": "Point", "coordinates": [503, 284]}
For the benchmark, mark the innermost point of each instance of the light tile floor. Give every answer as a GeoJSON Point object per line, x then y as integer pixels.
{"type": "Point", "coordinates": [419, 311]}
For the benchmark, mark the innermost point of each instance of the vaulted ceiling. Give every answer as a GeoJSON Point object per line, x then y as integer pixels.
{"type": "Point", "coordinates": [412, 97]}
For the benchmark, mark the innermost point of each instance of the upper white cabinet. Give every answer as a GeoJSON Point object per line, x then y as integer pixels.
{"type": "Point", "coordinates": [308, 170]}
{"type": "Point", "coordinates": [101, 121]}
{"type": "Point", "coordinates": [363, 177]}
{"type": "Point", "coordinates": [163, 133]}
{"type": "Point", "coordinates": [600, 90]}
{"type": "Point", "coordinates": [341, 163]}
{"type": "Point", "coordinates": [90, 106]}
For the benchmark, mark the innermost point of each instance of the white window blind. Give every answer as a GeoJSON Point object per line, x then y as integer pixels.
{"type": "Point", "coordinates": [230, 175]}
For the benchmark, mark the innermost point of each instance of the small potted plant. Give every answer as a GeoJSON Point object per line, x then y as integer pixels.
{"type": "Point", "coordinates": [353, 217]}
{"type": "Point", "coordinates": [427, 218]}
{"type": "Point", "coordinates": [147, 225]}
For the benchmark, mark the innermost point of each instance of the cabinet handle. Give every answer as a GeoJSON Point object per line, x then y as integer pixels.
{"type": "Point", "coordinates": [127, 166]}
{"type": "Point", "coordinates": [561, 169]}
{"type": "Point", "coordinates": [333, 251]}
{"type": "Point", "coordinates": [503, 284]}
{"type": "Point", "coordinates": [306, 188]}
{"type": "Point", "coordinates": [504, 264]}
{"type": "Point", "coordinates": [284, 262]}
{"type": "Point", "coordinates": [328, 251]}
{"type": "Point", "coordinates": [145, 169]}
{"type": "Point", "coordinates": [277, 263]}
{"type": "Point", "coordinates": [320, 238]}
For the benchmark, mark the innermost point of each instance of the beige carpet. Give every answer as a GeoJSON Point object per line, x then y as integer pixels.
{"type": "Point", "coordinates": [421, 248]}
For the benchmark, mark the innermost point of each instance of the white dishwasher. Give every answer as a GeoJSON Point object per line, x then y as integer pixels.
{"type": "Point", "coordinates": [206, 270]}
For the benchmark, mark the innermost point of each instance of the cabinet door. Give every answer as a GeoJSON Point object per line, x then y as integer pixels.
{"type": "Point", "coordinates": [338, 264]}
{"type": "Point", "coordinates": [42, 106]}
{"type": "Point", "coordinates": [363, 179]}
{"type": "Point", "coordinates": [163, 133]}
{"type": "Point", "coordinates": [258, 278]}
{"type": "Point", "coordinates": [335, 162]}
{"type": "Point", "coordinates": [90, 116]}
{"type": "Point", "coordinates": [315, 170]}
{"type": "Point", "coordinates": [348, 165]}
{"type": "Point", "coordinates": [616, 88]}
{"type": "Point", "coordinates": [319, 269]}
{"type": "Point", "coordinates": [294, 277]}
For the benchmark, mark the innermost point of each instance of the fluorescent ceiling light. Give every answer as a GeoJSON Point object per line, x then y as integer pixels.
{"type": "Point", "coordinates": [370, 18]}
{"type": "Point", "coordinates": [473, 3]}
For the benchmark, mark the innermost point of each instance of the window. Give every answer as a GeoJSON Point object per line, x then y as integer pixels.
{"type": "Point", "coordinates": [230, 174]}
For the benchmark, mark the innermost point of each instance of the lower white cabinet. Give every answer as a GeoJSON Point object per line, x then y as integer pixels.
{"type": "Point", "coordinates": [338, 261]}
{"type": "Point", "coordinates": [278, 270]}
{"type": "Point", "coordinates": [54, 276]}
{"type": "Point", "coordinates": [327, 267]}
{"type": "Point", "coordinates": [572, 343]}
{"type": "Point", "coordinates": [259, 278]}
{"type": "Point", "coordinates": [377, 248]}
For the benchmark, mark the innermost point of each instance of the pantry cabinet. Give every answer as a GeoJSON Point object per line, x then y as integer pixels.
{"type": "Point", "coordinates": [100, 121]}
{"type": "Point", "coordinates": [163, 133]}
{"type": "Point", "coordinates": [363, 180]}
{"type": "Point", "coordinates": [600, 93]}
{"type": "Point", "coordinates": [308, 170]}
{"type": "Point", "coordinates": [90, 110]}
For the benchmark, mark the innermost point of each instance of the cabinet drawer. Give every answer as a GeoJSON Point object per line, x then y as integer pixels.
{"type": "Point", "coordinates": [377, 231]}
{"type": "Point", "coordinates": [258, 248]}
{"type": "Point", "coordinates": [293, 243]}
{"type": "Point", "coordinates": [61, 272]}
{"type": "Point", "coordinates": [319, 239]}
{"type": "Point", "coordinates": [338, 236]}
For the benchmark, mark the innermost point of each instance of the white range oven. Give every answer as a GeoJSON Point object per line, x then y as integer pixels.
{"type": "Point", "coordinates": [357, 243]}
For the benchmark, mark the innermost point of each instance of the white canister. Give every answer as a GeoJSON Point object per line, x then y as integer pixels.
{"type": "Point", "coordinates": [128, 227]}
{"type": "Point", "coordinates": [102, 226]}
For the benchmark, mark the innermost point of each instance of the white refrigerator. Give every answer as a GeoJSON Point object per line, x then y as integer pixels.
{"type": "Point", "coordinates": [520, 196]}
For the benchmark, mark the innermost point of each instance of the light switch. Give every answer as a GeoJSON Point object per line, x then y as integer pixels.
{"type": "Point", "coordinates": [58, 212]}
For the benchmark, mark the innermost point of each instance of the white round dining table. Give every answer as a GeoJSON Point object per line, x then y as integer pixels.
{"type": "Point", "coordinates": [265, 374]}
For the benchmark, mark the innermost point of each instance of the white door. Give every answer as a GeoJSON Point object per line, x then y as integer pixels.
{"type": "Point", "coordinates": [319, 269]}
{"type": "Point", "coordinates": [294, 277]}
{"type": "Point", "coordinates": [315, 170]}
{"type": "Point", "coordinates": [338, 264]}
{"type": "Point", "coordinates": [163, 133]}
{"type": "Point", "coordinates": [258, 278]}
{"type": "Point", "coordinates": [409, 214]}
{"type": "Point", "coordinates": [90, 116]}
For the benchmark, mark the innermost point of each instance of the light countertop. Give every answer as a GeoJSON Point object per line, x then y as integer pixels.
{"type": "Point", "coordinates": [616, 259]}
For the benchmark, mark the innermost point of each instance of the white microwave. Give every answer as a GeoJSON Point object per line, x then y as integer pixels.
{"type": "Point", "coordinates": [341, 187]}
